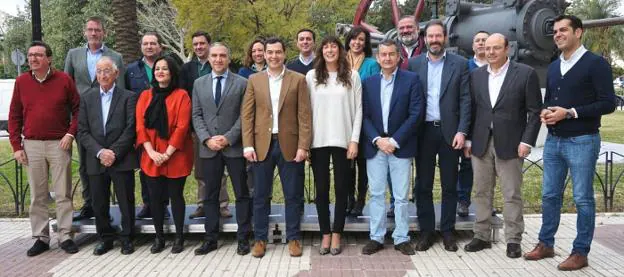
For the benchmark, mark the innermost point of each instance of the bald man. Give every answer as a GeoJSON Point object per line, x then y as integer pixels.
{"type": "Point", "coordinates": [506, 104]}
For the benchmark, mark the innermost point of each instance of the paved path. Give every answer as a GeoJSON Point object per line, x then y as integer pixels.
{"type": "Point", "coordinates": [606, 258]}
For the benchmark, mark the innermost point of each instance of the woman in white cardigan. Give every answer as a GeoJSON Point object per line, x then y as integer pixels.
{"type": "Point", "coordinates": [336, 96]}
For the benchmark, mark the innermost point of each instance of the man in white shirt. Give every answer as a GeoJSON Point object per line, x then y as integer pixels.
{"type": "Point", "coordinates": [507, 102]}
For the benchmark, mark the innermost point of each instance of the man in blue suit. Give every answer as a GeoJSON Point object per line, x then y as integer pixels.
{"type": "Point", "coordinates": [392, 105]}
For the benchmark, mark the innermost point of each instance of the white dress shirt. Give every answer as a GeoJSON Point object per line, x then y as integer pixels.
{"type": "Point", "coordinates": [495, 81]}
{"type": "Point", "coordinates": [566, 65]}
{"type": "Point", "coordinates": [275, 86]}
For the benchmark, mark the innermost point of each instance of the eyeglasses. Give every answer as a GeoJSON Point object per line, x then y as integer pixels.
{"type": "Point", "coordinates": [104, 72]}
{"type": "Point", "coordinates": [35, 55]}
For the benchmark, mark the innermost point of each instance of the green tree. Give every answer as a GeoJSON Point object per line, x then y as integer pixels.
{"type": "Point", "coordinates": [126, 29]}
{"type": "Point", "coordinates": [17, 34]}
{"type": "Point", "coordinates": [603, 40]}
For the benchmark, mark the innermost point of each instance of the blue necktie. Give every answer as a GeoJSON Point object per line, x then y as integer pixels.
{"type": "Point", "coordinates": [218, 90]}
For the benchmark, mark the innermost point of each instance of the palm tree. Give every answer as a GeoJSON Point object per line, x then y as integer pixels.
{"type": "Point", "coordinates": [126, 29]}
{"type": "Point", "coordinates": [603, 40]}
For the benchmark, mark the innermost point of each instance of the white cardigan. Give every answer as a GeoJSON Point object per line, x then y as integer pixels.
{"type": "Point", "coordinates": [336, 111]}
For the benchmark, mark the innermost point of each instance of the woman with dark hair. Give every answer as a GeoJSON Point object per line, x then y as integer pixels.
{"type": "Point", "coordinates": [336, 98]}
{"type": "Point", "coordinates": [163, 116]}
{"type": "Point", "coordinates": [359, 56]}
{"type": "Point", "coordinates": [254, 60]}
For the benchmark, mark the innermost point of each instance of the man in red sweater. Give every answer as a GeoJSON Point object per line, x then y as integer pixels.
{"type": "Point", "coordinates": [42, 125]}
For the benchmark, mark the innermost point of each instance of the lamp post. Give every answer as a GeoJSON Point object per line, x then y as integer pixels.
{"type": "Point", "coordinates": [35, 9]}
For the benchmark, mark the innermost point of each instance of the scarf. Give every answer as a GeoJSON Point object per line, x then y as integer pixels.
{"type": "Point", "coordinates": [156, 113]}
{"type": "Point", "coordinates": [355, 61]}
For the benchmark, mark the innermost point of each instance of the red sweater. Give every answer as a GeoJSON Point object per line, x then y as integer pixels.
{"type": "Point", "coordinates": [43, 111]}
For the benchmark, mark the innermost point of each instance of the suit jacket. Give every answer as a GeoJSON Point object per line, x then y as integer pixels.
{"type": "Point", "coordinates": [515, 115]}
{"type": "Point", "coordinates": [120, 129]}
{"type": "Point", "coordinates": [406, 108]}
{"type": "Point", "coordinates": [76, 67]}
{"type": "Point", "coordinates": [210, 120]}
{"type": "Point", "coordinates": [454, 93]}
{"type": "Point", "coordinates": [294, 118]}
{"type": "Point", "coordinates": [189, 73]}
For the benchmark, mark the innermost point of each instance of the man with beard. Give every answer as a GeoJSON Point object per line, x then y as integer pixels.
{"type": "Point", "coordinates": [447, 119]}
{"type": "Point", "coordinates": [464, 176]}
{"type": "Point", "coordinates": [412, 44]}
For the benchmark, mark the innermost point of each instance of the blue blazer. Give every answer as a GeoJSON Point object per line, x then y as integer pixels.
{"type": "Point", "coordinates": [406, 109]}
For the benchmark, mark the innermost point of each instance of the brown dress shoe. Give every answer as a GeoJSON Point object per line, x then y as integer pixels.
{"type": "Point", "coordinates": [258, 249]}
{"type": "Point", "coordinates": [539, 252]}
{"type": "Point", "coordinates": [294, 248]}
{"type": "Point", "coordinates": [574, 262]}
{"type": "Point", "coordinates": [225, 212]}
{"type": "Point", "coordinates": [199, 212]}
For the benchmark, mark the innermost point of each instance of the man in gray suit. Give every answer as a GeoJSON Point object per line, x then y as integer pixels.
{"type": "Point", "coordinates": [506, 103]}
{"type": "Point", "coordinates": [217, 101]}
{"type": "Point", "coordinates": [447, 119]}
{"type": "Point", "coordinates": [80, 65]}
{"type": "Point", "coordinates": [106, 129]}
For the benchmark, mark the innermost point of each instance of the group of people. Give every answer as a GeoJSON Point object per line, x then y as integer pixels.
{"type": "Point", "coordinates": [335, 105]}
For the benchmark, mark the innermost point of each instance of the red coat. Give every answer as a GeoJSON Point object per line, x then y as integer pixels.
{"type": "Point", "coordinates": [179, 118]}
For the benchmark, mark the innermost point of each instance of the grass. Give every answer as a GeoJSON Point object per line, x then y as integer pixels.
{"type": "Point", "coordinates": [612, 131]}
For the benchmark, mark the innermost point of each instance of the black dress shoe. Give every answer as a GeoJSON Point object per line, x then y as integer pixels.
{"type": "Point", "coordinates": [357, 209]}
{"type": "Point", "coordinates": [463, 209]}
{"type": "Point", "coordinates": [178, 245]}
{"type": "Point", "coordinates": [38, 248]}
{"type": "Point", "coordinates": [145, 212]}
{"type": "Point", "coordinates": [405, 248]}
{"type": "Point", "coordinates": [102, 247]}
{"type": "Point", "coordinates": [477, 245]}
{"type": "Point", "coordinates": [158, 245]}
{"type": "Point", "coordinates": [69, 246]}
{"type": "Point", "coordinates": [127, 247]}
{"type": "Point", "coordinates": [243, 247]}
{"type": "Point", "coordinates": [390, 213]}
{"type": "Point", "coordinates": [425, 241]}
{"type": "Point", "coordinates": [514, 250]}
{"type": "Point", "coordinates": [450, 244]}
{"type": "Point", "coordinates": [371, 247]}
{"type": "Point", "coordinates": [85, 212]}
{"type": "Point", "coordinates": [209, 246]}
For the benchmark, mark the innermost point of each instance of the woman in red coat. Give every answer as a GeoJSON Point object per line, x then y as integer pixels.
{"type": "Point", "coordinates": [163, 119]}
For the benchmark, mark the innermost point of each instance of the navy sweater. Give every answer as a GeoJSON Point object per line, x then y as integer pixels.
{"type": "Point", "coordinates": [297, 66]}
{"type": "Point", "coordinates": [586, 87]}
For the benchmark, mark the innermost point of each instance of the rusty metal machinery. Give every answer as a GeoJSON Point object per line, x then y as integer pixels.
{"type": "Point", "coordinates": [527, 24]}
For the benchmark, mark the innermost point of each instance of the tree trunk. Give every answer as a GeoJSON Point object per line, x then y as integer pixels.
{"type": "Point", "coordinates": [126, 29]}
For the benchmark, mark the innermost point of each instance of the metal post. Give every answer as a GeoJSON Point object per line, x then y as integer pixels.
{"type": "Point", "coordinates": [35, 9]}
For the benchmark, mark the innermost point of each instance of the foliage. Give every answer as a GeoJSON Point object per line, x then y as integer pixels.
{"type": "Point", "coordinates": [160, 16]}
{"type": "Point", "coordinates": [17, 33]}
{"type": "Point", "coordinates": [603, 40]}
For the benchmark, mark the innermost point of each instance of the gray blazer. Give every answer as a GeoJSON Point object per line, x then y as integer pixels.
{"type": "Point", "coordinates": [515, 115]}
{"type": "Point", "coordinates": [120, 129]}
{"type": "Point", "coordinates": [210, 120]}
{"type": "Point", "coordinates": [454, 93]}
{"type": "Point", "coordinates": [76, 67]}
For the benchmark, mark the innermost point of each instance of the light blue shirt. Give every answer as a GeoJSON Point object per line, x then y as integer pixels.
{"type": "Point", "coordinates": [434, 82]}
{"type": "Point", "coordinates": [387, 87]}
{"type": "Point", "coordinates": [92, 59]}
{"type": "Point", "coordinates": [214, 83]}
{"type": "Point", "coordinates": [106, 97]}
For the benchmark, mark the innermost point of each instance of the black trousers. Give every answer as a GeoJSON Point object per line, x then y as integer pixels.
{"type": "Point", "coordinates": [432, 144]}
{"type": "Point", "coordinates": [320, 167]}
{"type": "Point", "coordinates": [160, 188]}
{"type": "Point", "coordinates": [145, 196]}
{"type": "Point", "coordinates": [123, 185]}
{"type": "Point", "coordinates": [84, 177]}
{"type": "Point", "coordinates": [358, 179]}
{"type": "Point", "coordinates": [213, 171]}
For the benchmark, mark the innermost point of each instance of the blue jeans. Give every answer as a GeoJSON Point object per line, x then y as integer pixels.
{"type": "Point", "coordinates": [377, 169]}
{"type": "Point", "coordinates": [579, 155]}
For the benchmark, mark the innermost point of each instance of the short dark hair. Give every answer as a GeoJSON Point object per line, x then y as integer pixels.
{"type": "Point", "coordinates": [436, 22]}
{"type": "Point", "coordinates": [274, 40]}
{"type": "Point", "coordinates": [96, 19]}
{"type": "Point", "coordinates": [152, 33]}
{"type": "Point", "coordinates": [575, 22]}
{"type": "Point", "coordinates": [174, 70]}
{"type": "Point", "coordinates": [388, 42]}
{"type": "Point", "coordinates": [200, 34]}
{"type": "Point", "coordinates": [481, 32]}
{"type": "Point", "coordinates": [48, 50]}
{"type": "Point", "coordinates": [356, 31]}
{"type": "Point", "coordinates": [307, 30]}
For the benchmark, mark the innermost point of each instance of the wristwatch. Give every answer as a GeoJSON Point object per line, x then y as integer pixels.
{"type": "Point", "coordinates": [569, 114]}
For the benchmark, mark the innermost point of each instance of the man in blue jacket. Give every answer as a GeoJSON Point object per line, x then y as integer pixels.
{"type": "Point", "coordinates": [392, 105]}
{"type": "Point", "coordinates": [578, 92]}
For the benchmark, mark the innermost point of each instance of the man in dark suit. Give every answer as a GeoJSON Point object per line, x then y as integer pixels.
{"type": "Point", "coordinates": [447, 119]}
{"type": "Point", "coordinates": [106, 129]}
{"type": "Point", "coordinates": [506, 104]}
{"type": "Point", "coordinates": [80, 65]}
{"type": "Point", "coordinates": [392, 105]}
{"type": "Point", "coordinates": [276, 120]}
{"type": "Point", "coordinates": [217, 100]}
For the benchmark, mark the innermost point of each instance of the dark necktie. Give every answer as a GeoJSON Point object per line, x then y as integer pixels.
{"type": "Point", "coordinates": [218, 90]}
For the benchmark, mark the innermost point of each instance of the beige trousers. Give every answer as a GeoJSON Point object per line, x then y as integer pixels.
{"type": "Point", "coordinates": [485, 170]}
{"type": "Point", "coordinates": [46, 158]}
